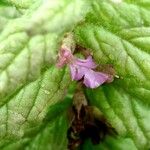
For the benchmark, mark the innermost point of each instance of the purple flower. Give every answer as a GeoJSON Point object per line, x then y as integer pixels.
{"type": "Point", "coordinates": [82, 69]}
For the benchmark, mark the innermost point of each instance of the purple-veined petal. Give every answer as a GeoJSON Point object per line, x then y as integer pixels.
{"type": "Point", "coordinates": [89, 63]}
{"type": "Point", "coordinates": [77, 72]}
{"type": "Point", "coordinates": [80, 72]}
{"type": "Point", "coordinates": [94, 79]}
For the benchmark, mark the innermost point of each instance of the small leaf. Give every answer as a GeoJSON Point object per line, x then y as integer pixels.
{"type": "Point", "coordinates": [121, 37]}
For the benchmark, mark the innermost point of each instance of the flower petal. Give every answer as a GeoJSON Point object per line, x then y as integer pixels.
{"type": "Point", "coordinates": [77, 72]}
{"type": "Point", "coordinates": [89, 63]}
{"type": "Point", "coordinates": [64, 57]}
{"type": "Point", "coordinates": [94, 79]}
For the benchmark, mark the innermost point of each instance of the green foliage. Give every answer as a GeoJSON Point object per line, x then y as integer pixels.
{"type": "Point", "coordinates": [118, 34]}
{"type": "Point", "coordinates": [29, 81]}
{"type": "Point", "coordinates": [33, 115]}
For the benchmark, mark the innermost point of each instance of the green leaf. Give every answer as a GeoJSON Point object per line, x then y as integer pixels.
{"type": "Point", "coordinates": [23, 114]}
{"type": "Point", "coordinates": [111, 143]}
{"type": "Point", "coordinates": [29, 81]}
{"type": "Point", "coordinates": [29, 44]}
{"type": "Point", "coordinates": [48, 133]}
{"type": "Point", "coordinates": [118, 34]}
{"type": "Point", "coordinates": [52, 136]}
{"type": "Point", "coordinates": [17, 3]}
{"type": "Point", "coordinates": [7, 14]}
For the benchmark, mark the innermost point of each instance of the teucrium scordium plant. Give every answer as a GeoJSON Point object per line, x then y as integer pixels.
{"type": "Point", "coordinates": [81, 68]}
{"type": "Point", "coordinates": [31, 85]}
